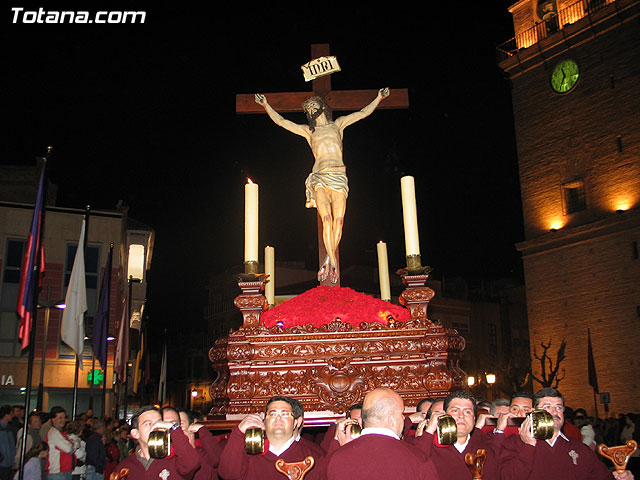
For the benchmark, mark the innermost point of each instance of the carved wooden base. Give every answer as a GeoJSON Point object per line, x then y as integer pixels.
{"type": "Point", "coordinates": [331, 367]}
{"type": "Point", "coordinates": [417, 295]}
{"type": "Point", "coordinates": [251, 302]}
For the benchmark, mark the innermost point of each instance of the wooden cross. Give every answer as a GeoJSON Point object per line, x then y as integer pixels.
{"type": "Point", "coordinates": [338, 100]}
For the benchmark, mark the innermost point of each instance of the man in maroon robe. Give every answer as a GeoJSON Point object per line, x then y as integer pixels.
{"type": "Point", "coordinates": [379, 454]}
{"type": "Point", "coordinates": [180, 464]}
{"type": "Point", "coordinates": [206, 446]}
{"type": "Point", "coordinates": [281, 422]}
{"type": "Point", "coordinates": [354, 412]}
{"type": "Point", "coordinates": [449, 459]}
{"type": "Point", "coordinates": [526, 458]}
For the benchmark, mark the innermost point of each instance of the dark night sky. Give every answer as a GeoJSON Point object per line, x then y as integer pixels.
{"type": "Point", "coordinates": [146, 114]}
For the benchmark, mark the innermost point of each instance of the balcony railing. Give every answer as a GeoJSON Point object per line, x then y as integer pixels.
{"type": "Point", "coordinates": [550, 25]}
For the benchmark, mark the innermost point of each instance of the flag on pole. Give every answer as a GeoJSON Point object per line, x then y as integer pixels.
{"type": "Point", "coordinates": [593, 378]}
{"type": "Point", "coordinates": [140, 361]}
{"type": "Point", "coordinates": [122, 348]}
{"type": "Point", "coordinates": [31, 273]}
{"type": "Point", "coordinates": [99, 339]}
{"type": "Point", "coordinates": [72, 330]}
{"type": "Point", "coordinates": [162, 384]}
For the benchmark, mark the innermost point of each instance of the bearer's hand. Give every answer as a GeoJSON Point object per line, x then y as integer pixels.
{"type": "Point", "coordinates": [261, 99]}
{"type": "Point", "coordinates": [626, 475]}
{"type": "Point", "coordinates": [503, 419]}
{"type": "Point", "coordinates": [417, 417]}
{"type": "Point", "coordinates": [482, 419]}
{"type": "Point", "coordinates": [253, 420]}
{"type": "Point", "coordinates": [194, 427]}
{"type": "Point", "coordinates": [343, 432]}
{"type": "Point", "coordinates": [432, 423]}
{"type": "Point", "coordinates": [162, 424]}
{"type": "Point", "coordinates": [525, 432]}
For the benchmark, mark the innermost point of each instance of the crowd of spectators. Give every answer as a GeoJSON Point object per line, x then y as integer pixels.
{"type": "Point", "coordinates": [59, 448]}
{"type": "Point", "coordinates": [89, 448]}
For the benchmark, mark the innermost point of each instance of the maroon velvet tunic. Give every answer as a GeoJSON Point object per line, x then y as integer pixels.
{"type": "Point", "coordinates": [180, 465]}
{"type": "Point", "coordinates": [209, 451]}
{"type": "Point", "coordinates": [379, 457]}
{"type": "Point", "coordinates": [567, 459]}
{"type": "Point", "coordinates": [450, 463]}
{"type": "Point", "coordinates": [237, 464]}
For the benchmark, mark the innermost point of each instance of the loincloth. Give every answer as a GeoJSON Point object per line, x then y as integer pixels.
{"type": "Point", "coordinates": [333, 178]}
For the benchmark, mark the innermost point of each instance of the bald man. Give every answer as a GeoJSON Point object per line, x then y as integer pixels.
{"type": "Point", "coordinates": [379, 454]}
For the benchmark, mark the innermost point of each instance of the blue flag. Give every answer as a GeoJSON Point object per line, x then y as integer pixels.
{"type": "Point", "coordinates": [102, 315]}
{"type": "Point", "coordinates": [31, 268]}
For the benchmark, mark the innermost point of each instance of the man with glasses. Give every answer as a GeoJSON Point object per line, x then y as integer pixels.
{"type": "Point", "coordinates": [525, 457]}
{"type": "Point", "coordinates": [282, 418]}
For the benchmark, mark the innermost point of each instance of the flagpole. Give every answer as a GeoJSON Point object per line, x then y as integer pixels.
{"type": "Point", "coordinates": [93, 372]}
{"type": "Point", "coordinates": [79, 354]}
{"type": "Point", "coordinates": [593, 377]}
{"type": "Point", "coordinates": [107, 317]}
{"type": "Point", "coordinates": [35, 286]}
{"type": "Point", "coordinates": [126, 374]}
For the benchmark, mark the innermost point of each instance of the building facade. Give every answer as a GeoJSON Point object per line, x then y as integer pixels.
{"type": "Point", "coordinates": [574, 67]}
{"type": "Point", "coordinates": [54, 361]}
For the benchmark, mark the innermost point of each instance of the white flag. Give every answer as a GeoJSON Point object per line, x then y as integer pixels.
{"type": "Point", "coordinates": [72, 330]}
{"type": "Point", "coordinates": [162, 384]}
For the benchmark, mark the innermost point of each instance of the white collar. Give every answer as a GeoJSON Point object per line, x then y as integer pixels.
{"type": "Point", "coordinates": [281, 450]}
{"type": "Point", "coordinates": [461, 446]}
{"type": "Point", "coordinates": [560, 434]}
{"type": "Point", "coordinates": [380, 431]}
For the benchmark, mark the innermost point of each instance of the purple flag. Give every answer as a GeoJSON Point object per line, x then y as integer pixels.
{"type": "Point", "coordinates": [101, 323]}
{"type": "Point", "coordinates": [31, 271]}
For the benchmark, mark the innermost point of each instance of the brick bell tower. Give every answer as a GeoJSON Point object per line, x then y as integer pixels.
{"type": "Point", "coordinates": [574, 68]}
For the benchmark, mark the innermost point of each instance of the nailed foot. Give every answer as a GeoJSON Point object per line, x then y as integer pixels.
{"type": "Point", "coordinates": [323, 273]}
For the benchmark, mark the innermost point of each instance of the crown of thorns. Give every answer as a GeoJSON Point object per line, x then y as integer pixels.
{"type": "Point", "coordinates": [318, 100]}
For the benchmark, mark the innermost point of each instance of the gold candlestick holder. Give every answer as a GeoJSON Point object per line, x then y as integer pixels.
{"type": "Point", "coordinates": [414, 267]}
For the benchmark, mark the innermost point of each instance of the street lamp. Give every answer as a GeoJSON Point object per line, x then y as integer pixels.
{"type": "Point", "coordinates": [491, 382]}
{"type": "Point", "coordinates": [471, 381]}
{"type": "Point", "coordinates": [135, 274]}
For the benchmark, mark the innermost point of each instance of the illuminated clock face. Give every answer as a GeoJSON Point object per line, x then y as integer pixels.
{"type": "Point", "coordinates": [565, 76]}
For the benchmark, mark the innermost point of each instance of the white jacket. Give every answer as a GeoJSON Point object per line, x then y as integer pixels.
{"type": "Point", "coordinates": [60, 452]}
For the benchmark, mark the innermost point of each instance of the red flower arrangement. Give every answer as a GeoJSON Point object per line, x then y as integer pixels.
{"type": "Point", "coordinates": [321, 305]}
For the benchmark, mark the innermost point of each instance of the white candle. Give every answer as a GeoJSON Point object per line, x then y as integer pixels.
{"type": "Point", "coordinates": [270, 269]}
{"type": "Point", "coordinates": [383, 271]}
{"type": "Point", "coordinates": [410, 216]}
{"type": "Point", "coordinates": [250, 221]}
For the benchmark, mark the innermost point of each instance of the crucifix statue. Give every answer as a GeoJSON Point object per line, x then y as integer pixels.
{"type": "Point", "coordinates": [326, 187]}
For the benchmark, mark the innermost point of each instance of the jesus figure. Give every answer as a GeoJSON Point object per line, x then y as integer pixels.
{"type": "Point", "coordinates": [326, 185]}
